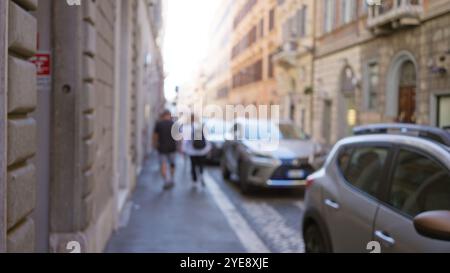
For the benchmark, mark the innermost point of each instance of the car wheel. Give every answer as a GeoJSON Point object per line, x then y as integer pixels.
{"type": "Point", "coordinates": [315, 241]}
{"type": "Point", "coordinates": [226, 174]}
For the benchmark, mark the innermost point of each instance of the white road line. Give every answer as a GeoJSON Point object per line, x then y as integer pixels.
{"type": "Point", "coordinates": [249, 239]}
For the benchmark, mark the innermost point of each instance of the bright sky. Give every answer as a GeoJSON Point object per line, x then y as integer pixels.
{"type": "Point", "coordinates": [186, 39]}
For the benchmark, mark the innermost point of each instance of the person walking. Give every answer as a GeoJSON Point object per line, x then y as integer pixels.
{"type": "Point", "coordinates": [196, 147]}
{"type": "Point", "coordinates": [166, 145]}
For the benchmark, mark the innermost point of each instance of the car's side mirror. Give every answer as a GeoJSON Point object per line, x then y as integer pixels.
{"type": "Point", "coordinates": [434, 225]}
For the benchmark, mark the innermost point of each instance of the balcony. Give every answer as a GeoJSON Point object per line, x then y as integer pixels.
{"type": "Point", "coordinates": [287, 54]}
{"type": "Point", "coordinates": [393, 14]}
{"type": "Point", "coordinates": [291, 50]}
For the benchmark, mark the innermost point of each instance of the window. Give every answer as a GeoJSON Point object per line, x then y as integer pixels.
{"type": "Point", "coordinates": [303, 20]}
{"type": "Point", "coordinates": [372, 85]}
{"type": "Point", "coordinates": [344, 159]}
{"type": "Point", "coordinates": [419, 184]}
{"type": "Point", "coordinates": [271, 19]}
{"type": "Point", "coordinates": [243, 12]}
{"type": "Point", "coordinates": [247, 41]}
{"type": "Point", "coordinates": [271, 69]}
{"type": "Point", "coordinates": [248, 75]}
{"type": "Point", "coordinates": [329, 15]}
{"type": "Point", "coordinates": [347, 11]}
{"type": "Point", "coordinates": [300, 22]}
{"type": "Point", "coordinates": [261, 28]}
{"type": "Point", "coordinates": [293, 27]}
{"type": "Point", "coordinates": [443, 111]}
{"type": "Point", "coordinates": [364, 7]}
{"type": "Point", "coordinates": [363, 167]}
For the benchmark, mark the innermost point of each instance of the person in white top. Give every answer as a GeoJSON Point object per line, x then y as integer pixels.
{"type": "Point", "coordinates": [196, 147]}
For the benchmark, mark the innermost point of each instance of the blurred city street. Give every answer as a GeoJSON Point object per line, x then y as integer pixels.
{"type": "Point", "coordinates": [309, 126]}
{"type": "Point", "coordinates": [214, 219]}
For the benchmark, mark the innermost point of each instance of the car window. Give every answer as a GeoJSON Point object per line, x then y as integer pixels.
{"type": "Point", "coordinates": [344, 158]}
{"type": "Point", "coordinates": [289, 131]}
{"type": "Point", "coordinates": [365, 167]}
{"type": "Point", "coordinates": [419, 184]}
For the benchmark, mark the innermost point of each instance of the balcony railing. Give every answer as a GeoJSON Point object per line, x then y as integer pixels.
{"type": "Point", "coordinates": [288, 52]}
{"type": "Point", "coordinates": [392, 14]}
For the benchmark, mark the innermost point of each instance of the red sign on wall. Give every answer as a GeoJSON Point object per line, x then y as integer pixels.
{"type": "Point", "coordinates": [42, 62]}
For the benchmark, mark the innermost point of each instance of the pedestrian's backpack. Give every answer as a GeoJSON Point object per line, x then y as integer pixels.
{"type": "Point", "coordinates": [198, 144]}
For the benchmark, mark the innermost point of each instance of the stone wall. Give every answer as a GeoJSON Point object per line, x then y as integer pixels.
{"type": "Point", "coordinates": [3, 121]}
{"type": "Point", "coordinates": [424, 44]}
{"type": "Point", "coordinates": [89, 185]}
{"type": "Point", "coordinates": [327, 86]}
{"type": "Point", "coordinates": [21, 127]}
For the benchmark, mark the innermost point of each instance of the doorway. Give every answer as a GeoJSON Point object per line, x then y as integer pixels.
{"type": "Point", "coordinates": [407, 94]}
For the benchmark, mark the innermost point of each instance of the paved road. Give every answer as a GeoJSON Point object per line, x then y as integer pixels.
{"type": "Point", "coordinates": [217, 218]}
{"type": "Point", "coordinates": [274, 215]}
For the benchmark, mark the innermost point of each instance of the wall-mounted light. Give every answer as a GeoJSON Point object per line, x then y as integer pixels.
{"type": "Point", "coordinates": [441, 64]}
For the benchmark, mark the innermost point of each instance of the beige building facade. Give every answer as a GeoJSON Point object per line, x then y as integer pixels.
{"type": "Point", "coordinates": [294, 61]}
{"type": "Point", "coordinates": [77, 106]}
{"type": "Point", "coordinates": [254, 42]}
{"type": "Point", "coordinates": [218, 79]}
{"type": "Point", "coordinates": [340, 33]}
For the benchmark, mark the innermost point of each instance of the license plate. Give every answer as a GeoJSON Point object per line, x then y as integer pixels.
{"type": "Point", "coordinates": [296, 174]}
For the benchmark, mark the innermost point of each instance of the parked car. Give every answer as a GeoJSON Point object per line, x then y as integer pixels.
{"type": "Point", "coordinates": [216, 131]}
{"type": "Point", "coordinates": [390, 183]}
{"type": "Point", "coordinates": [251, 156]}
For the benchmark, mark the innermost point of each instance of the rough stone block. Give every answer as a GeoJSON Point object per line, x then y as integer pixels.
{"type": "Point", "coordinates": [90, 39]}
{"type": "Point", "coordinates": [21, 193]}
{"type": "Point", "coordinates": [21, 239]}
{"type": "Point", "coordinates": [27, 4]}
{"type": "Point", "coordinates": [22, 31]}
{"type": "Point", "coordinates": [22, 95]}
{"type": "Point", "coordinates": [21, 140]}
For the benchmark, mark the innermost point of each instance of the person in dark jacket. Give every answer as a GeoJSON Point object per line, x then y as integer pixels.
{"type": "Point", "coordinates": [166, 145]}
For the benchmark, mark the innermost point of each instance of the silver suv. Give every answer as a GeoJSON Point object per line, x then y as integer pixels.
{"type": "Point", "coordinates": [387, 186]}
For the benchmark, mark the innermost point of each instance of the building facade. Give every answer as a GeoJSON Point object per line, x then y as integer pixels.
{"type": "Point", "coordinates": [340, 34]}
{"type": "Point", "coordinates": [294, 61]}
{"type": "Point", "coordinates": [406, 64]}
{"type": "Point", "coordinates": [80, 89]}
{"type": "Point", "coordinates": [380, 63]}
{"type": "Point", "coordinates": [254, 42]}
{"type": "Point", "coordinates": [218, 78]}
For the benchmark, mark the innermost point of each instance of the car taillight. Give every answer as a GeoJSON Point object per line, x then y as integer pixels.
{"type": "Point", "coordinates": [309, 182]}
